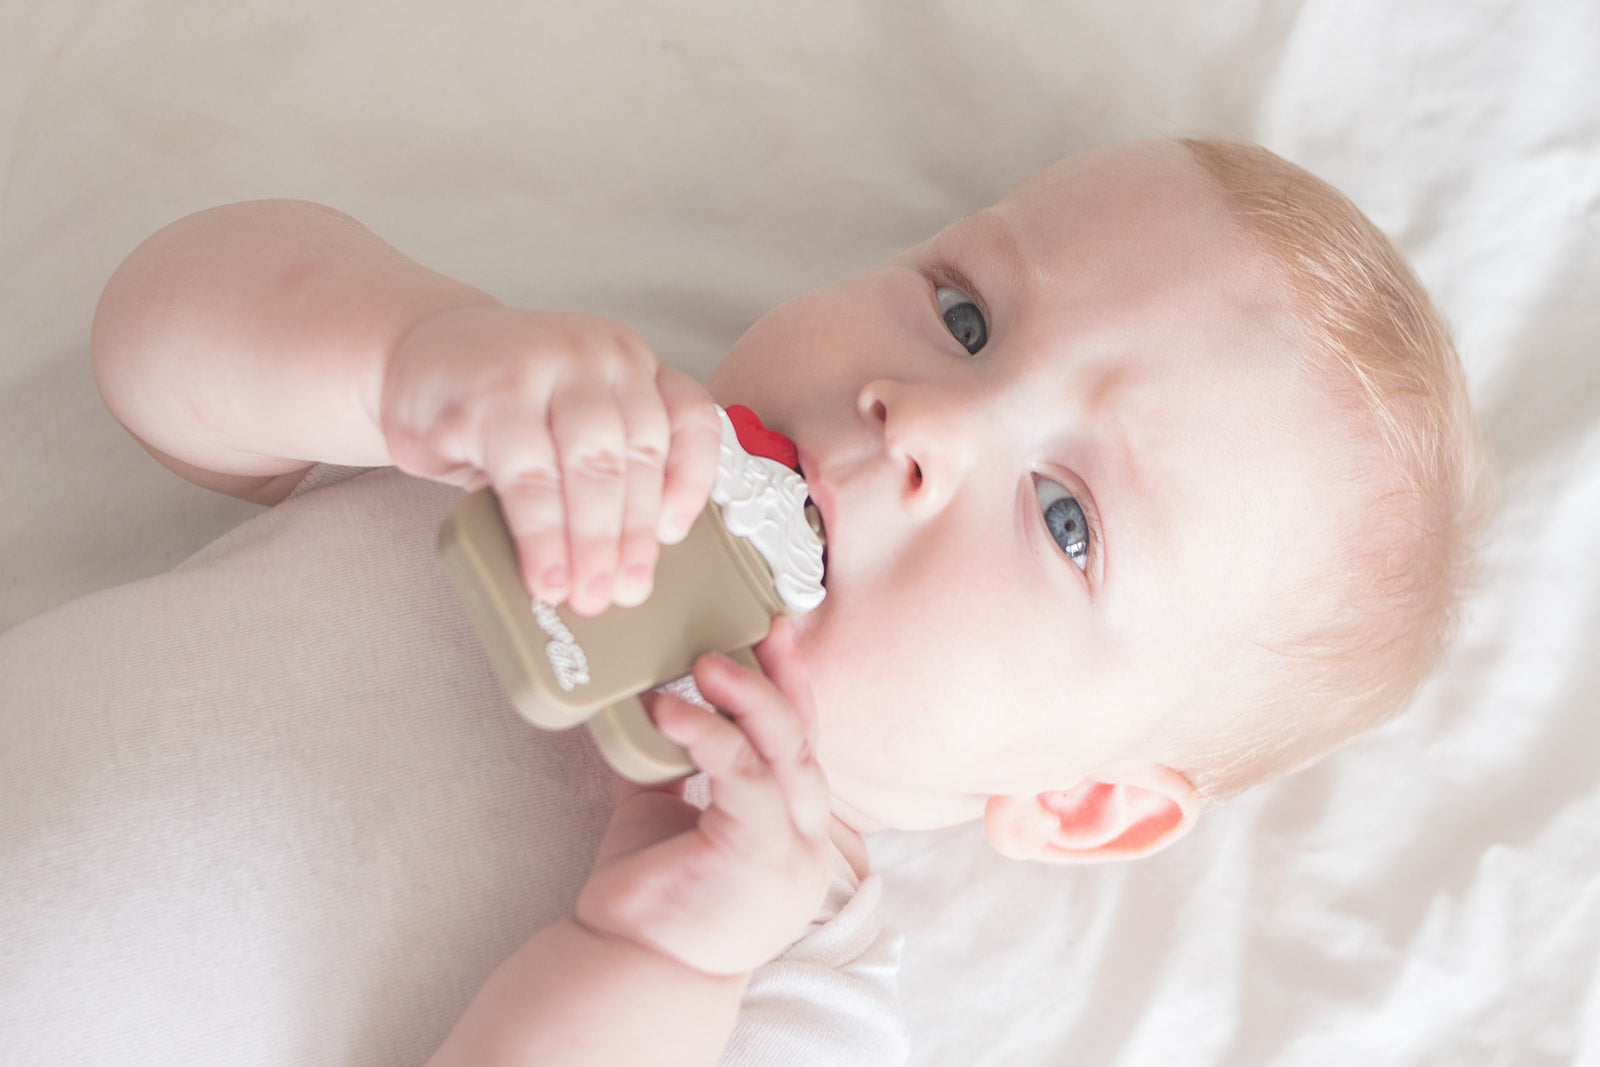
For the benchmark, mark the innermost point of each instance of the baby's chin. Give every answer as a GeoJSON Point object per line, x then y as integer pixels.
{"type": "Point", "coordinates": [867, 808]}
{"type": "Point", "coordinates": [854, 818]}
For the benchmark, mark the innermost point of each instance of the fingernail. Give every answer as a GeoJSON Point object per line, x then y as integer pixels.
{"type": "Point", "coordinates": [554, 580]}
{"type": "Point", "coordinates": [600, 587]}
{"type": "Point", "coordinates": [675, 527]}
{"type": "Point", "coordinates": [633, 585]}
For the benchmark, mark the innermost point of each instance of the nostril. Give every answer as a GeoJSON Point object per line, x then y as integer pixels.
{"type": "Point", "coordinates": [916, 475]}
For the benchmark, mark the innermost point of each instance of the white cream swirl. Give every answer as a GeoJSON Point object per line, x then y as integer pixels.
{"type": "Point", "coordinates": [765, 503]}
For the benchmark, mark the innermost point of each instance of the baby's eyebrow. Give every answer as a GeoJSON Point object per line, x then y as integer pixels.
{"type": "Point", "coordinates": [987, 236]}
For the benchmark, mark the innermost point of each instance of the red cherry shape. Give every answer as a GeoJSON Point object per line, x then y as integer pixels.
{"type": "Point", "coordinates": [757, 440]}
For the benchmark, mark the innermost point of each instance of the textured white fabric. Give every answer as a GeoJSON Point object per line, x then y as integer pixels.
{"type": "Point", "coordinates": [832, 997]}
{"type": "Point", "coordinates": [1429, 897]}
{"type": "Point", "coordinates": [272, 808]}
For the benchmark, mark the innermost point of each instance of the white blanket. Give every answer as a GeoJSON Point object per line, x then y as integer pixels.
{"type": "Point", "coordinates": [1430, 895]}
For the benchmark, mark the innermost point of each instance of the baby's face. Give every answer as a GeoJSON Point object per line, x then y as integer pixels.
{"type": "Point", "coordinates": [1064, 467]}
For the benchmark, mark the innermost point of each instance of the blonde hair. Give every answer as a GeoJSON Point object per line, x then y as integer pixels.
{"type": "Point", "coordinates": [1352, 652]}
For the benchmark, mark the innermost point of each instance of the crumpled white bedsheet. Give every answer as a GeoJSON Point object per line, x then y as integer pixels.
{"type": "Point", "coordinates": [1431, 895]}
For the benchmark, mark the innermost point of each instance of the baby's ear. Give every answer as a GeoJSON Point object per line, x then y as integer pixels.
{"type": "Point", "coordinates": [1128, 813]}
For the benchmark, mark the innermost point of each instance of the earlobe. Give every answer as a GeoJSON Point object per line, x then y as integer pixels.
{"type": "Point", "coordinates": [1124, 815]}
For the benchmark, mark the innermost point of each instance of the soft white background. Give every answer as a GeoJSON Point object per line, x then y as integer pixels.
{"type": "Point", "coordinates": [1429, 896]}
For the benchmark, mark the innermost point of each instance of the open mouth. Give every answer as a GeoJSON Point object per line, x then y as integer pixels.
{"type": "Point", "coordinates": [814, 520]}
{"type": "Point", "coordinates": [813, 514]}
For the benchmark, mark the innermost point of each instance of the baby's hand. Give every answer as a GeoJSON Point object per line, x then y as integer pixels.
{"type": "Point", "coordinates": [596, 450]}
{"type": "Point", "coordinates": [727, 889]}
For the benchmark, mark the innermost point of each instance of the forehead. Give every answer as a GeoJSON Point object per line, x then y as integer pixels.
{"type": "Point", "coordinates": [1123, 223]}
{"type": "Point", "coordinates": [1130, 192]}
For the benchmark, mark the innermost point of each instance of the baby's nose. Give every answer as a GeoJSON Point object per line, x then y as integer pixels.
{"type": "Point", "coordinates": [923, 437]}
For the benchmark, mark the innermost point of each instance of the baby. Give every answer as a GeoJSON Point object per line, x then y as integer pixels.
{"type": "Point", "coordinates": [1152, 481]}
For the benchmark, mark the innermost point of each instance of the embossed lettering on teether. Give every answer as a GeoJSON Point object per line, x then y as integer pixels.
{"type": "Point", "coordinates": [565, 654]}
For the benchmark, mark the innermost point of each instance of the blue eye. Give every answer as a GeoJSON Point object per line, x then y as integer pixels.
{"type": "Point", "coordinates": [962, 318]}
{"type": "Point", "coordinates": [1064, 517]}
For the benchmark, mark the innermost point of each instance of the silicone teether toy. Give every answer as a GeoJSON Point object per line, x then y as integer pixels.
{"type": "Point", "coordinates": [751, 554]}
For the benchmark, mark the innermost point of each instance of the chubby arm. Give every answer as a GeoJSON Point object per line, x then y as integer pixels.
{"type": "Point", "coordinates": [682, 904]}
{"type": "Point", "coordinates": [570, 995]}
{"type": "Point", "coordinates": [242, 344]}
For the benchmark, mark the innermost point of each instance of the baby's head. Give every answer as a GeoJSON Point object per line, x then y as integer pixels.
{"type": "Point", "coordinates": [1149, 482]}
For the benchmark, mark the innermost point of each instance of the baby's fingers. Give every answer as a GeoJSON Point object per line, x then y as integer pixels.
{"type": "Point", "coordinates": [692, 453]}
{"type": "Point", "coordinates": [592, 446]}
{"type": "Point", "coordinates": [774, 730]}
{"type": "Point", "coordinates": [644, 418]}
{"type": "Point", "coordinates": [524, 470]}
{"type": "Point", "coordinates": [743, 790]}
{"type": "Point", "coordinates": [781, 660]}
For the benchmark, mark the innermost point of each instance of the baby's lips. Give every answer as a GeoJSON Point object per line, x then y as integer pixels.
{"type": "Point", "coordinates": [813, 513]}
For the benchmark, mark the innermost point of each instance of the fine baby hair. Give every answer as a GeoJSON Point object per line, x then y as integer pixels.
{"type": "Point", "coordinates": [1350, 649]}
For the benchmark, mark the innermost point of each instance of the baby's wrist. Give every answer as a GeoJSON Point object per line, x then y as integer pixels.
{"type": "Point", "coordinates": [380, 384]}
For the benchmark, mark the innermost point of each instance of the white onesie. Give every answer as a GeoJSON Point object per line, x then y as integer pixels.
{"type": "Point", "coordinates": [272, 807]}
